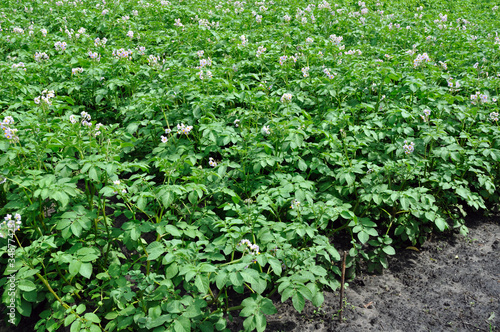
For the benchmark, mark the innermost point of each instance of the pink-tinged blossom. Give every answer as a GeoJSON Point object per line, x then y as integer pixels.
{"type": "Point", "coordinates": [408, 147]}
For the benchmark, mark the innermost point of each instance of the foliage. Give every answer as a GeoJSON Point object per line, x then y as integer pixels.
{"type": "Point", "coordinates": [174, 161]}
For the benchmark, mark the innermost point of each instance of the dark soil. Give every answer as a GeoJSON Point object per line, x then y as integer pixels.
{"type": "Point", "coordinates": [451, 284]}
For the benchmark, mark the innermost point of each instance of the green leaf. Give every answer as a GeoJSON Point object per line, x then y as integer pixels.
{"type": "Point", "coordinates": [236, 278]}
{"type": "Point", "coordinates": [440, 224]}
{"type": "Point", "coordinates": [76, 228]}
{"type": "Point", "coordinates": [249, 324]}
{"type": "Point", "coordinates": [172, 270]}
{"type": "Point", "coordinates": [93, 174]}
{"type": "Point", "coordinates": [302, 165]}
{"type": "Point", "coordinates": [76, 326]}
{"type": "Point", "coordinates": [74, 267]}
{"type": "Point", "coordinates": [267, 307]}
{"type": "Point", "coordinates": [275, 265]}
{"type": "Point", "coordinates": [260, 322]}
{"type": "Point", "coordinates": [347, 215]}
{"type": "Point", "coordinates": [318, 299]}
{"type": "Point", "coordinates": [172, 230]}
{"type": "Point", "coordinates": [201, 282]}
{"type": "Point", "coordinates": [298, 302]}
{"type": "Point", "coordinates": [86, 270]}
{"type": "Point", "coordinates": [95, 328]}
{"type": "Point", "coordinates": [155, 250]}
{"type": "Point", "coordinates": [182, 324]}
{"type": "Point", "coordinates": [26, 285]}
{"type": "Point", "coordinates": [389, 250]}
{"type": "Point", "coordinates": [405, 203]}
{"type": "Point", "coordinates": [159, 321]}
{"type": "Point", "coordinates": [193, 197]}
{"type": "Point", "coordinates": [69, 319]}
{"type": "Point", "coordinates": [91, 317]}
{"type": "Point", "coordinates": [167, 199]}
{"type": "Point", "coordinates": [111, 315]}
{"type": "Point", "coordinates": [363, 237]}
{"type": "Point", "coordinates": [80, 309]}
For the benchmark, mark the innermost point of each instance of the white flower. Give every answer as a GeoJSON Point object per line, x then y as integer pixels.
{"type": "Point", "coordinates": [286, 98]}
{"type": "Point", "coordinates": [305, 71]}
{"type": "Point", "coordinates": [212, 162]}
{"type": "Point", "coordinates": [164, 139]}
{"type": "Point", "coordinates": [265, 130]}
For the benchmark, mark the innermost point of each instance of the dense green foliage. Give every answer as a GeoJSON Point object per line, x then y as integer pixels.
{"type": "Point", "coordinates": [176, 161]}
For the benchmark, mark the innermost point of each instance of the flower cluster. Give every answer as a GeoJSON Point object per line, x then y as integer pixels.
{"type": "Point", "coordinates": [183, 129]}
{"type": "Point", "coordinates": [97, 131]}
{"type": "Point", "coordinates": [118, 187]}
{"type": "Point", "coordinates": [94, 56]}
{"type": "Point", "coordinates": [425, 116]}
{"type": "Point", "coordinates": [305, 71]}
{"type": "Point", "coordinates": [478, 96]}
{"type": "Point", "coordinates": [153, 61]}
{"type": "Point", "coordinates": [19, 66]}
{"type": "Point", "coordinates": [44, 32]}
{"type": "Point", "coordinates": [164, 139]}
{"type": "Point", "coordinates": [456, 85]}
{"type": "Point", "coordinates": [178, 22]}
{"type": "Point", "coordinates": [60, 46]}
{"type": "Point", "coordinates": [39, 56]}
{"type": "Point", "coordinates": [244, 40]}
{"type": "Point", "coordinates": [81, 31]}
{"type": "Point", "coordinates": [494, 116]}
{"type": "Point", "coordinates": [286, 98]}
{"type": "Point", "coordinates": [421, 58]}
{"type": "Point", "coordinates": [212, 162]}
{"type": "Point", "coordinates": [204, 75]}
{"type": "Point", "coordinates": [123, 54]}
{"type": "Point", "coordinates": [295, 204]}
{"type": "Point", "coordinates": [45, 98]}
{"type": "Point", "coordinates": [328, 74]}
{"type": "Point", "coordinates": [141, 50]}
{"type": "Point", "coordinates": [75, 71]}
{"type": "Point", "coordinates": [205, 62]}
{"type": "Point", "coordinates": [260, 51]}
{"type": "Point", "coordinates": [253, 248]}
{"type": "Point", "coordinates": [86, 119]}
{"type": "Point", "coordinates": [10, 225]}
{"type": "Point", "coordinates": [200, 53]}
{"type": "Point", "coordinates": [283, 59]}
{"type": "Point", "coordinates": [408, 147]}
{"type": "Point", "coordinates": [336, 40]}
{"type": "Point", "coordinates": [352, 52]}
{"type": "Point", "coordinates": [236, 123]}
{"type": "Point", "coordinates": [9, 133]}
{"type": "Point", "coordinates": [98, 42]}
{"type": "Point", "coordinates": [130, 34]}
